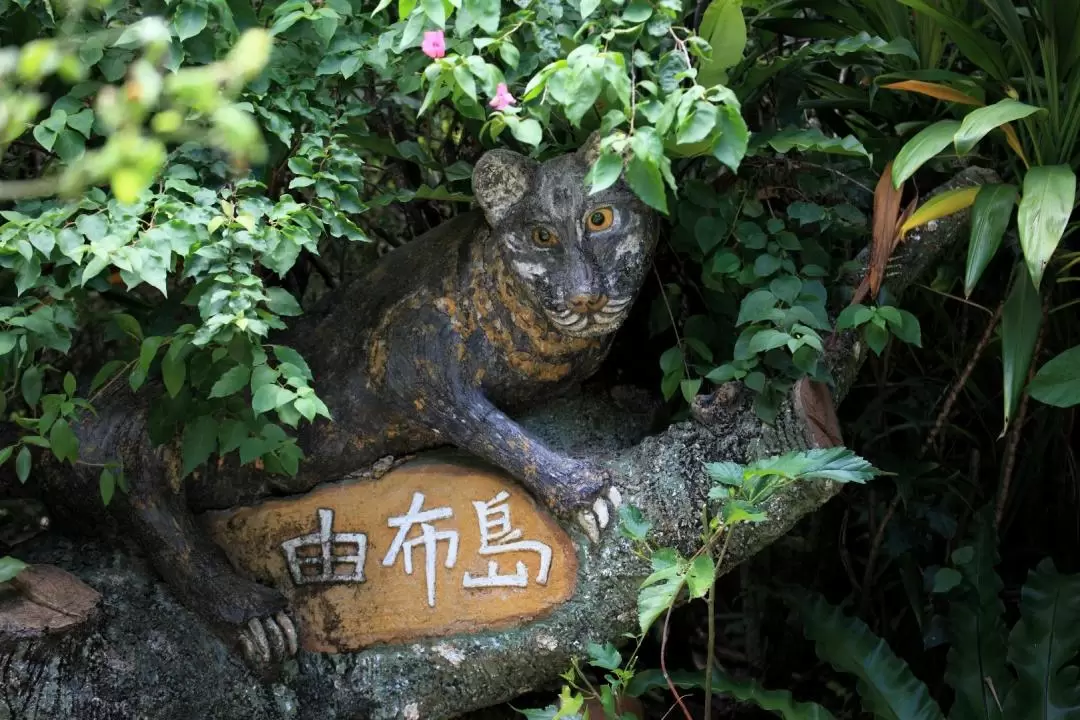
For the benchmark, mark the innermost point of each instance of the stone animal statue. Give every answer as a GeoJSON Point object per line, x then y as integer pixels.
{"type": "Point", "coordinates": [440, 339]}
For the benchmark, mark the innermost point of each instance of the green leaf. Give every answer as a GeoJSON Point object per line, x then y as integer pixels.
{"type": "Point", "coordinates": [814, 140]}
{"type": "Point", "coordinates": [740, 511]}
{"type": "Point", "coordinates": [697, 125]}
{"type": "Point", "coordinates": [588, 7]}
{"type": "Point", "coordinates": [633, 524]}
{"type": "Point", "coordinates": [270, 397]}
{"type": "Point", "coordinates": [989, 219]}
{"type": "Point", "coordinates": [282, 302]}
{"type": "Point", "coordinates": [64, 443]}
{"type": "Point", "coordinates": [918, 150]}
{"type": "Point", "coordinates": [1043, 647]}
{"type": "Point", "coordinates": [724, 28]}
{"type": "Point", "coordinates": [31, 385]}
{"type": "Point", "coordinates": [730, 147]}
{"type": "Point", "coordinates": [285, 354]}
{"type": "Point", "coordinates": [7, 342]}
{"type": "Point", "coordinates": [701, 575]}
{"type": "Point", "coordinates": [747, 691]}
{"type": "Point", "coordinates": [768, 339]}
{"type": "Point", "coordinates": [1058, 381]}
{"type": "Point", "coordinates": [174, 367]}
{"type": "Point", "coordinates": [22, 464]}
{"type": "Point", "coordinates": [838, 463]}
{"type": "Point", "coordinates": [945, 579]}
{"type": "Point", "coordinates": [604, 656]}
{"type": "Point", "coordinates": [887, 687]}
{"type": "Point", "coordinates": [976, 662]}
{"type": "Point", "coordinates": [659, 591]}
{"type": "Point", "coordinates": [231, 381]}
{"type": "Point", "coordinates": [645, 180]}
{"type": "Point", "coordinates": [199, 441]}
{"type": "Point", "coordinates": [190, 20]}
{"type": "Point", "coordinates": [1049, 193]}
{"type": "Point", "coordinates": [979, 122]}
{"type": "Point", "coordinates": [107, 486]}
{"type": "Point", "coordinates": [10, 567]}
{"type": "Point", "coordinates": [907, 329]}
{"type": "Point", "coordinates": [527, 131]}
{"type": "Point", "coordinates": [604, 172]}
{"type": "Point", "coordinates": [1020, 323]}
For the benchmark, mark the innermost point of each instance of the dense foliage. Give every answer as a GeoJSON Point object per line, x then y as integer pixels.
{"type": "Point", "coordinates": [181, 178]}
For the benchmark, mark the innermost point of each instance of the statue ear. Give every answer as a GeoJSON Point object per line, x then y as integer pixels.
{"type": "Point", "coordinates": [501, 179]}
{"type": "Point", "coordinates": [591, 149]}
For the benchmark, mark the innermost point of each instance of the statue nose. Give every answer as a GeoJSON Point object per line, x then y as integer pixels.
{"type": "Point", "coordinates": [582, 304]}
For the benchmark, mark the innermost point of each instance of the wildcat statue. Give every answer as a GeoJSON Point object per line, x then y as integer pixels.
{"type": "Point", "coordinates": [480, 317]}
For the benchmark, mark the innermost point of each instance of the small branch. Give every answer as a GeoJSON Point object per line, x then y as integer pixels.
{"type": "Point", "coordinates": [663, 665]}
{"type": "Point", "coordinates": [954, 392]}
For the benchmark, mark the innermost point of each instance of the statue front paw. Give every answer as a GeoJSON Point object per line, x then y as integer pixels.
{"type": "Point", "coordinates": [587, 489]}
{"type": "Point", "coordinates": [268, 640]}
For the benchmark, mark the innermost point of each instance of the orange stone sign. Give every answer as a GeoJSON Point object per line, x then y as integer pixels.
{"type": "Point", "coordinates": [434, 547]}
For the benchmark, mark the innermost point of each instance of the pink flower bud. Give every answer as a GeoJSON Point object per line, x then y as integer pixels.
{"type": "Point", "coordinates": [503, 99]}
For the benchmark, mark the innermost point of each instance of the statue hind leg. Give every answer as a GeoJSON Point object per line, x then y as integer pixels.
{"type": "Point", "coordinates": [154, 515]}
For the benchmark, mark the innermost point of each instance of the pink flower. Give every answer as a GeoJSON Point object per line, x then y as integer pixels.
{"type": "Point", "coordinates": [434, 44]}
{"type": "Point", "coordinates": [503, 99]}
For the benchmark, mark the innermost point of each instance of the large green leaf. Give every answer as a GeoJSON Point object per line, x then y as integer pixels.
{"type": "Point", "coordinates": [976, 664]}
{"type": "Point", "coordinates": [1058, 382]}
{"type": "Point", "coordinates": [1049, 192]}
{"type": "Point", "coordinates": [723, 26]}
{"type": "Point", "coordinates": [1042, 647]}
{"type": "Point", "coordinates": [886, 685]}
{"type": "Point", "coordinates": [927, 143]}
{"type": "Point", "coordinates": [978, 123]}
{"type": "Point", "coordinates": [748, 691]}
{"type": "Point", "coordinates": [1019, 330]}
{"type": "Point", "coordinates": [989, 219]}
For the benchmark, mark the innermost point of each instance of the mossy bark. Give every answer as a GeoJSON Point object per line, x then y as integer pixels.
{"type": "Point", "coordinates": [148, 657]}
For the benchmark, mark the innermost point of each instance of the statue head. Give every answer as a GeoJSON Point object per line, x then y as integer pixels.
{"type": "Point", "coordinates": [580, 258]}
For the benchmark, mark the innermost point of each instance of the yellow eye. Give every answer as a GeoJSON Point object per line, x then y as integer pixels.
{"type": "Point", "coordinates": [544, 237]}
{"type": "Point", "coordinates": [600, 219]}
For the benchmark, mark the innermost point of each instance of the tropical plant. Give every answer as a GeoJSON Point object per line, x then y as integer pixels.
{"type": "Point", "coordinates": [739, 495]}
{"type": "Point", "coordinates": [1030, 102]}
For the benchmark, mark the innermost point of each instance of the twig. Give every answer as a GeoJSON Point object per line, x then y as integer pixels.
{"type": "Point", "coordinates": [961, 381]}
{"type": "Point", "coordinates": [663, 665]}
{"type": "Point", "coordinates": [875, 546]}
{"type": "Point", "coordinates": [709, 658]}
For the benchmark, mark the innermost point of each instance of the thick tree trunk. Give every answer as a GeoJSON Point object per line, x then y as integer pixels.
{"type": "Point", "coordinates": [145, 656]}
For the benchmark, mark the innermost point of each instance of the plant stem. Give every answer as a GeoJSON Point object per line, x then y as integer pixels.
{"type": "Point", "coordinates": [709, 658]}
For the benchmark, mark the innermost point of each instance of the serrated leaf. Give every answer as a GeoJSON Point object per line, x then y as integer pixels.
{"type": "Point", "coordinates": [604, 656]}
{"type": "Point", "coordinates": [633, 524]}
{"type": "Point", "coordinates": [282, 302]}
{"type": "Point", "coordinates": [700, 575]}
{"type": "Point", "coordinates": [659, 591]}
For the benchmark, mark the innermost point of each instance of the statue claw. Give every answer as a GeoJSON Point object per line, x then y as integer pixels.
{"type": "Point", "coordinates": [595, 519]}
{"type": "Point", "coordinates": [268, 639]}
